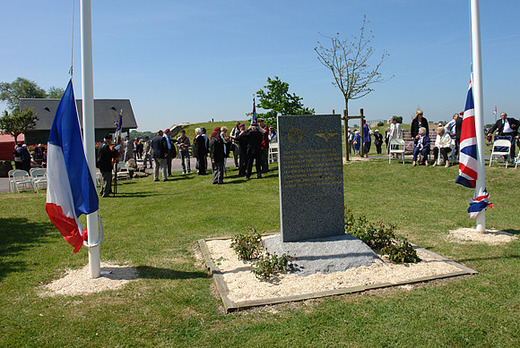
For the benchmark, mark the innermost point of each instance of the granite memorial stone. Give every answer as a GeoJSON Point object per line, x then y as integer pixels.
{"type": "Point", "coordinates": [311, 177]}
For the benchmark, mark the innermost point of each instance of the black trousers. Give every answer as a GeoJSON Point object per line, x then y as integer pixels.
{"type": "Point", "coordinates": [265, 160]}
{"type": "Point", "coordinates": [444, 153]}
{"type": "Point", "coordinates": [242, 168]}
{"type": "Point", "coordinates": [202, 164]}
{"type": "Point", "coordinates": [257, 158]}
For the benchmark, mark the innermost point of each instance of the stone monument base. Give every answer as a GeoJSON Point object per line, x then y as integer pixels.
{"type": "Point", "coordinates": [325, 255]}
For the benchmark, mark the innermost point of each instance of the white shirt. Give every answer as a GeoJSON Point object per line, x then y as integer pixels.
{"type": "Point", "coordinates": [395, 131]}
{"type": "Point", "coordinates": [443, 140]}
{"type": "Point", "coordinates": [450, 127]}
{"type": "Point", "coordinates": [507, 127]}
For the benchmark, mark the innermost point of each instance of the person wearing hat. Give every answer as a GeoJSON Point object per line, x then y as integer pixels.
{"type": "Point", "coordinates": [217, 154]}
{"type": "Point", "coordinates": [357, 142]}
{"type": "Point", "coordinates": [378, 141]}
{"type": "Point", "coordinates": [160, 154]}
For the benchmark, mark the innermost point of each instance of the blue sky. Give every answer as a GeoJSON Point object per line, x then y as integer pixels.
{"type": "Point", "coordinates": [190, 61]}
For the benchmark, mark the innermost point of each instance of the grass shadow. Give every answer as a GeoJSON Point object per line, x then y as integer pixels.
{"type": "Point", "coordinates": [143, 194]}
{"type": "Point", "coordinates": [17, 235]}
{"type": "Point", "coordinates": [148, 272]}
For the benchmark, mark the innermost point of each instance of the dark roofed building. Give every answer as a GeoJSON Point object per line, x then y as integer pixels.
{"type": "Point", "coordinates": [105, 113]}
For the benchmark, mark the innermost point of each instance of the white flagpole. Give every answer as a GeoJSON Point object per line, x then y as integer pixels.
{"type": "Point", "coordinates": [478, 99]}
{"type": "Point", "coordinates": [87, 91]}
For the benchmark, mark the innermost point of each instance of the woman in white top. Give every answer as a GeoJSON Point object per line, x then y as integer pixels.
{"type": "Point", "coordinates": [395, 131]}
{"type": "Point", "coordinates": [442, 145]}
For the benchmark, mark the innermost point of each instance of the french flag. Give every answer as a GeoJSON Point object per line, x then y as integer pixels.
{"type": "Point", "coordinates": [468, 165]}
{"type": "Point", "coordinates": [70, 188]}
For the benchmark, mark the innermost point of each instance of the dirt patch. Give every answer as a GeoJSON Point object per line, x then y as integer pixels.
{"type": "Point", "coordinates": [472, 236]}
{"type": "Point", "coordinates": [244, 286]}
{"type": "Point", "coordinates": [78, 282]}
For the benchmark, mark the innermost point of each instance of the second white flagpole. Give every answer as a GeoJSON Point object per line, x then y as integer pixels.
{"type": "Point", "coordinates": [87, 91]}
{"type": "Point", "coordinates": [479, 108]}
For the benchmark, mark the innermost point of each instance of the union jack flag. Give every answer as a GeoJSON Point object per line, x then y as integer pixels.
{"type": "Point", "coordinates": [478, 204]}
{"type": "Point", "coordinates": [468, 165]}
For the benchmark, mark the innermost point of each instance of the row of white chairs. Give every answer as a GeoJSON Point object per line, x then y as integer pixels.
{"type": "Point", "coordinates": [20, 180]}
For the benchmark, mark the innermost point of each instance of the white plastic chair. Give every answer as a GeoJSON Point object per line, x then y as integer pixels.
{"type": "Point", "coordinates": [21, 179]}
{"type": "Point", "coordinates": [498, 150]}
{"type": "Point", "coordinates": [123, 172]}
{"type": "Point", "coordinates": [11, 180]}
{"type": "Point", "coordinates": [273, 152]}
{"type": "Point", "coordinates": [517, 160]}
{"type": "Point", "coordinates": [38, 178]}
{"type": "Point", "coordinates": [397, 146]}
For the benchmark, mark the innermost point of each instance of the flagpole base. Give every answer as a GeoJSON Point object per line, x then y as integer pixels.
{"type": "Point", "coordinates": [481, 222]}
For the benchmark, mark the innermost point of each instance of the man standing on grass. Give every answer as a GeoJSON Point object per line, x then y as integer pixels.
{"type": "Point", "coordinates": [166, 135]}
{"type": "Point", "coordinates": [184, 149]}
{"type": "Point", "coordinates": [367, 140]}
{"type": "Point", "coordinates": [217, 154]}
{"type": "Point", "coordinates": [104, 162]}
{"type": "Point", "coordinates": [242, 146]}
{"type": "Point", "coordinates": [160, 154]}
{"type": "Point", "coordinates": [254, 150]}
{"type": "Point", "coordinates": [147, 152]}
{"type": "Point", "coordinates": [200, 151]}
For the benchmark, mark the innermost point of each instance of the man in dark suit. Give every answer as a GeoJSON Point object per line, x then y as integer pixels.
{"type": "Point", "coordinates": [104, 162]}
{"type": "Point", "coordinates": [200, 151]}
{"type": "Point", "coordinates": [216, 151]}
{"type": "Point", "coordinates": [507, 129]}
{"type": "Point", "coordinates": [160, 154]}
{"type": "Point", "coordinates": [242, 148]}
{"type": "Point", "coordinates": [254, 150]}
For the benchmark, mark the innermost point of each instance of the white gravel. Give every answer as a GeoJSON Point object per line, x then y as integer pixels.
{"type": "Point", "coordinates": [78, 282]}
{"type": "Point", "coordinates": [244, 286]}
{"type": "Point", "coordinates": [472, 236]}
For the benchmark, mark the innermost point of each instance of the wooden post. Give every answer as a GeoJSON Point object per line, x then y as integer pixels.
{"type": "Point", "coordinates": [345, 125]}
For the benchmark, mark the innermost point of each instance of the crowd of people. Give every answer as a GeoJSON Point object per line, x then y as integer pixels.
{"type": "Point", "coordinates": [447, 140]}
{"type": "Point", "coordinates": [25, 159]}
{"type": "Point", "coordinates": [249, 148]}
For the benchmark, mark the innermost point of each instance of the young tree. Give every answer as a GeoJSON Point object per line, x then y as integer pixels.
{"type": "Point", "coordinates": [20, 88]}
{"type": "Point", "coordinates": [351, 62]}
{"type": "Point", "coordinates": [277, 99]}
{"type": "Point", "coordinates": [17, 122]}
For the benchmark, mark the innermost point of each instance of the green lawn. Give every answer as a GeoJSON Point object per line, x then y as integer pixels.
{"type": "Point", "coordinates": [154, 226]}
